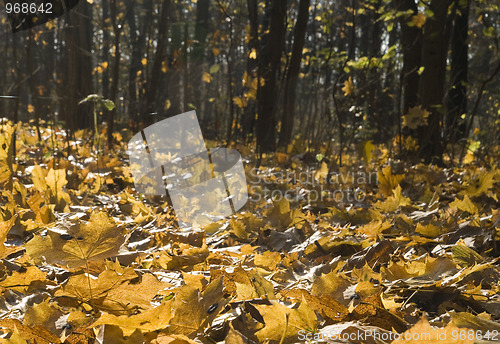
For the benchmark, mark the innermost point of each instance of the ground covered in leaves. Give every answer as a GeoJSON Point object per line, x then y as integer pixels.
{"type": "Point", "coordinates": [375, 252]}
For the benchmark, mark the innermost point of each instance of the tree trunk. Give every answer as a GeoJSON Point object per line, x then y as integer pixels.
{"type": "Point", "coordinates": [78, 78]}
{"type": "Point", "coordinates": [134, 67]}
{"type": "Point", "coordinates": [106, 38]}
{"type": "Point", "coordinates": [155, 73]}
{"type": "Point", "coordinates": [269, 63]}
{"type": "Point", "coordinates": [457, 95]}
{"type": "Point", "coordinates": [412, 54]}
{"type": "Point", "coordinates": [198, 52]}
{"type": "Point", "coordinates": [292, 75]}
{"type": "Point", "coordinates": [252, 64]}
{"type": "Point", "coordinates": [432, 81]}
{"type": "Point", "coordinates": [115, 74]}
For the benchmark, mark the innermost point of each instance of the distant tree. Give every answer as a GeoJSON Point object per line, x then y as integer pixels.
{"type": "Point", "coordinates": [154, 77]}
{"type": "Point", "coordinates": [411, 43]}
{"type": "Point", "coordinates": [77, 82]}
{"type": "Point", "coordinates": [459, 66]}
{"type": "Point", "coordinates": [292, 74]}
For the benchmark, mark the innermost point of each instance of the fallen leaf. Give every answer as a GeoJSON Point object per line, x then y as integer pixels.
{"type": "Point", "coordinates": [99, 238]}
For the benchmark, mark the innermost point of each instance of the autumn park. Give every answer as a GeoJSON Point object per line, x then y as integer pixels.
{"type": "Point", "coordinates": [243, 171]}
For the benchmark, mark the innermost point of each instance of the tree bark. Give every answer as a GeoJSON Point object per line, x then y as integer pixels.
{"type": "Point", "coordinates": [198, 52]}
{"type": "Point", "coordinates": [252, 64]}
{"type": "Point", "coordinates": [155, 74]}
{"type": "Point", "coordinates": [432, 82]}
{"type": "Point", "coordinates": [292, 75]}
{"type": "Point", "coordinates": [269, 63]}
{"type": "Point", "coordinates": [115, 74]}
{"type": "Point", "coordinates": [457, 95]}
{"type": "Point", "coordinates": [78, 78]}
{"type": "Point", "coordinates": [106, 39]}
{"type": "Point", "coordinates": [412, 54]}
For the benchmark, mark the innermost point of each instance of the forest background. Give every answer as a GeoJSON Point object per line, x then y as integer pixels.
{"type": "Point", "coordinates": [369, 130]}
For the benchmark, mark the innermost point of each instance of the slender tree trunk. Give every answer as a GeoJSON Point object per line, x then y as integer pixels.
{"type": "Point", "coordinates": [115, 74]}
{"type": "Point", "coordinates": [159, 55]}
{"type": "Point", "coordinates": [269, 63]}
{"type": "Point", "coordinates": [105, 47]}
{"type": "Point", "coordinates": [78, 76]}
{"type": "Point", "coordinates": [457, 95]}
{"type": "Point", "coordinates": [173, 79]}
{"type": "Point", "coordinates": [412, 54]}
{"type": "Point", "coordinates": [252, 64]}
{"type": "Point", "coordinates": [186, 88]}
{"type": "Point", "coordinates": [198, 52]}
{"type": "Point", "coordinates": [137, 42]}
{"type": "Point", "coordinates": [292, 75]}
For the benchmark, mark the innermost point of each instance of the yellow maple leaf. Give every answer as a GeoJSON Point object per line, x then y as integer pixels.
{"type": "Point", "coordinates": [428, 230]}
{"type": "Point", "coordinates": [416, 117]}
{"type": "Point", "coordinates": [85, 288]}
{"type": "Point", "coordinates": [98, 238]}
{"type": "Point", "coordinates": [375, 227]}
{"type": "Point", "coordinates": [268, 260]}
{"type": "Point", "coordinates": [151, 320]}
{"type": "Point", "coordinates": [322, 173]}
{"type": "Point", "coordinates": [253, 54]}
{"type": "Point", "coordinates": [388, 181]}
{"type": "Point", "coordinates": [423, 333]}
{"type": "Point", "coordinates": [418, 20]}
{"type": "Point", "coordinates": [240, 102]}
{"type": "Point", "coordinates": [394, 202]}
{"type": "Point", "coordinates": [348, 87]}
{"type": "Point", "coordinates": [465, 205]}
{"type": "Point", "coordinates": [207, 77]}
{"type": "Point", "coordinates": [480, 184]}
{"type": "Point", "coordinates": [193, 310]}
{"type": "Point", "coordinates": [164, 67]}
{"type": "Point", "coordinates": [367, 151]}
{"type": "Point", "coordinates": [285, 323]}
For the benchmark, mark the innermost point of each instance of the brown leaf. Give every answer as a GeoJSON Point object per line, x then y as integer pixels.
{"type": "Point", "coordinates": [151, 320]}
{"type": "Point", "coordinates": [99, 238]}
{"type": "Point", "coordinates": [36, 334]}
{"type": "Point", "coordinates": [193, 311]}
{"type": "Point", "coordinates": [423, 333]}
{"type": "Point", "coordinates": [371, 311]}
{"type": "Point", "coordinates": [327, 306]}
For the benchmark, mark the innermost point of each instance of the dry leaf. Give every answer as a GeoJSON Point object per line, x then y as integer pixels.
{"type": "Point", "coordinates": [99, 238]}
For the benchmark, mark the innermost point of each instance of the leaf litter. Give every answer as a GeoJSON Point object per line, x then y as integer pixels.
{"type": "Point", "coordinates": [85, 259]}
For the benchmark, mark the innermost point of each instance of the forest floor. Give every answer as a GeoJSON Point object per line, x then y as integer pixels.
{"type": "Point", "coordinates": [378, 251]}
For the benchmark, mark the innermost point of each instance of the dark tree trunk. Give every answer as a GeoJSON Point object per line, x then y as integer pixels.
{"type": "Point", "coordinates": [269, 63]}
{"type": "Point", "coordinates": [253, 45]}
{"type": "Point", "coordinates": [412, 54]}
{"type": "Point", "coordinates": [457, 95]}
{"type": "Point", "coordinates": [432, 81]}
{"type": "Point", "coordinates": [198, 52]}
{"type": "Point", "coordinates": [106, 38]}
{"type": "Point", "coordinates": [292, 75]}
{"type": "Point", "coordinates": [376, 117]}
{"type": "Point", "coordinates": [173, 79]}
{"type": "Point", "coordinates": [78, 78]}
{"type": "Point", "coordinates": [137, 42]}
{"type": "Point", "coordinates": [115, 74]}
{"type": "Point", "coordinates": [155, 73]}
